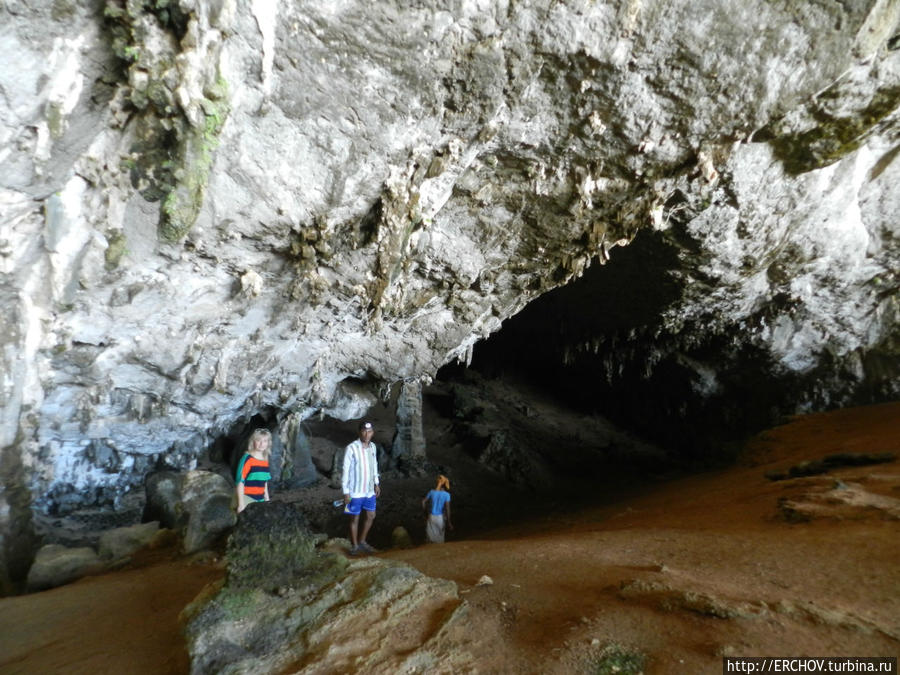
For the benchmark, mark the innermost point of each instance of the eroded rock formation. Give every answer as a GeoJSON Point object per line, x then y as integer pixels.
{"type": "Point", "coordinates": [286, 604]}
{"type": "Point", "coordinates": [213, 208]}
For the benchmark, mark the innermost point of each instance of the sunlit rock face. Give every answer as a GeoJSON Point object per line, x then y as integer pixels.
{"type": "Point", "coordinates": [217, 208]}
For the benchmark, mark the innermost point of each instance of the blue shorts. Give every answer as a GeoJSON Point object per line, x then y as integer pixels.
{"type": "Point", "coordinates": [358, 503]}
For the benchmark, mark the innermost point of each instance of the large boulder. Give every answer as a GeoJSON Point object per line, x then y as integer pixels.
{"type": "Point", "coordinates": [163, 497]}
{"type": "Point", "coordinates": [199, 505]}
{"type": "Point", "coordinates": [17, 536]}
{"type": "Point", "coordinates": [287, 605]}
{"type": "Point", "coordinates": [56, 565]}
{"type": "Point", "coordinates": [271, 547]}
{"type": "Point", "coordinates": [510, 456]}
{"type": "Point", "coordinates": [207, 509]}
{"type": "Point", "coordinates": [121, 542]}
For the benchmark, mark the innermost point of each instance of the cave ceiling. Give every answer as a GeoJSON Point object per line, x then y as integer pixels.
{"type": "Point", "coordinates": [213, 209]}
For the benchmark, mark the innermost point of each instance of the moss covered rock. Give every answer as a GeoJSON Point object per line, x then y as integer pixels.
{"type": "Point", "coordinates": [271, 547]}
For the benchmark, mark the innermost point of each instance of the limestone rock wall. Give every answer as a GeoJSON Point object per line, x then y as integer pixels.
{"type": "Point", "coordinates": [212, 208]}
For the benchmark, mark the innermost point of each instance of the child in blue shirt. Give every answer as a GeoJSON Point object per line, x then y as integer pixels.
{"type": "Point", "coordinates": [439, 512]}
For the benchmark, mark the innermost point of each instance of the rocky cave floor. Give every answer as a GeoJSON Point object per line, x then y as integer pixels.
{"type": "Point", "coordinates": [601, 550]}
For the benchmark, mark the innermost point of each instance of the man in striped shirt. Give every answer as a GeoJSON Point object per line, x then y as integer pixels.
{"type": "Point", "coordinates": [359, 482]}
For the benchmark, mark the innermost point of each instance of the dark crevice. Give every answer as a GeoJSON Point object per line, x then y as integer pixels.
{"type": "Point", "coordinates": [598, 346]}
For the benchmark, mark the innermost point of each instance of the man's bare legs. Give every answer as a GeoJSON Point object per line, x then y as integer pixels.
{"type": "Point", "coordinates": [367, 523]}
{"type": "Point", "coordinates": [354, 526]}
{"type": "Point", "coordinates": [354, 522]}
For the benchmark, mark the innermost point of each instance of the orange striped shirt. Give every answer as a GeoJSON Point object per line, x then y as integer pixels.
{"type": "Point", "coordinates": [254, 474]}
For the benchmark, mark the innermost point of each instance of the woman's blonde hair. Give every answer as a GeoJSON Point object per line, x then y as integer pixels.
{"type": "Point", "coordinates": [443, 483]}
{"type": "Point", "coordinates": [261, 433]}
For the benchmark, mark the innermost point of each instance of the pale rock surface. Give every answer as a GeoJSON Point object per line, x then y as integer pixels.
{"type": "Point", "coordinates": [57, 565]}
{"type": "Point", "coordinates": [408, 447]}
{"type": "Point", "coordinates": [163, 491]}
{"type": "Point", "coordinates": [199, 505]}
{"type": "Point", "coordinates": [207, 508]}
{"type": "Point", "coordinates": [121, 542]}
{"type": "Point", "coordinates": [220, 208]}
{"type": "Point", "coordinates": [379, 616]}
{"type": "Point", "coordinates": [296, 467]}
{"type": "Point", "coordinates": [287, 603]}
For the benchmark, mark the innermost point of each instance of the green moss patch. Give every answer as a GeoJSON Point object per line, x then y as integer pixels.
{"type": "Point", "coordinates": [117, 247]}
{"type": "Point", "coordinates": [173, 154]}
{"type": "Point", "coordinates": [271, 547]}
{"type": "Point", "coordinates": [616, 659]}
{"type": "Point", "coordinates": [833, 137]}
{"type": "Point", "coordinates": [196, 152]}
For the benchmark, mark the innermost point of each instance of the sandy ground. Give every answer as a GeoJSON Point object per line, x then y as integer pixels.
{"type": "Point", "coordinates": [677, 573]}
{"type": "Point", "coordinates": [705, 566]}
{"type": "Point", "coordinates": [121, 622]}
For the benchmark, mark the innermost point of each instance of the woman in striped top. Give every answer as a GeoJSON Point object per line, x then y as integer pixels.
{"type": "Point", "coordinates": [252, 479]}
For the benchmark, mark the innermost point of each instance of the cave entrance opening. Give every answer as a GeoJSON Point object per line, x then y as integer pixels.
{"type": "Point", "coordinates": [614, 344]}
{"type": "Point", "coordinates": [226, 450]}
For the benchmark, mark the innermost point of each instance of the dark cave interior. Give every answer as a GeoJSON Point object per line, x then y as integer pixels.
{"type": "Point", "coordinates": [598, 346]}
